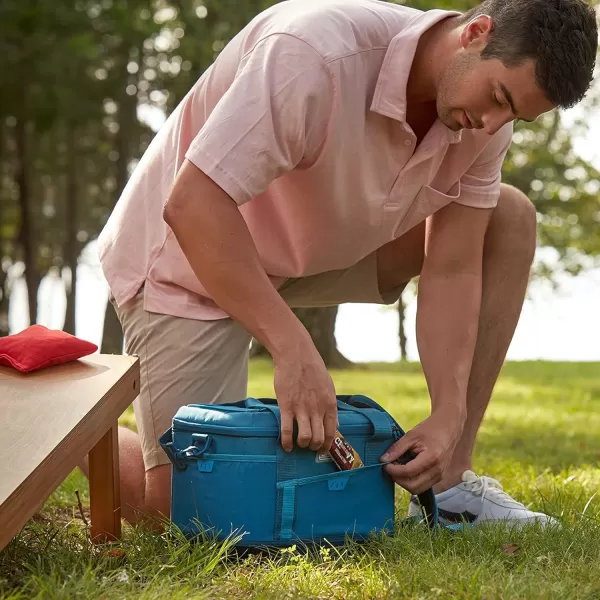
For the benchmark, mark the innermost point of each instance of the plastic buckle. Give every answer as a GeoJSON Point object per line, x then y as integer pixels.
{"type": "Point", "coordinates": [178, 464]}
{"type": "Point", "coordinates": [200, 444]}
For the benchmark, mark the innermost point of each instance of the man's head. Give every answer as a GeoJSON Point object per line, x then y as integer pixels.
{"type": "Point", "coordinates": [517, 59]}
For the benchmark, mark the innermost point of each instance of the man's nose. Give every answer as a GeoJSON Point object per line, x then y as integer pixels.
{"type": "Point", "coordinates": [493, 121]}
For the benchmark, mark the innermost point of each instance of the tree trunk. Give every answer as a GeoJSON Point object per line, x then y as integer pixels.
{"type": "Point", "coordinates": [112, 336]}
{"type": "Point", "coordinates": [257, 349]}
{"type": "Point", "coordinates": [3, 302]}
{"type": "Point", "coordinates": [70, 251]}
{"type": "Point", "coordinates": [26, 233]}
{"type": "Point", "coordinates": [320, 323]}
{"type": "Point", "coordinates": [401, 328]}
{"type": "Point", "coordinates": [4, 330]}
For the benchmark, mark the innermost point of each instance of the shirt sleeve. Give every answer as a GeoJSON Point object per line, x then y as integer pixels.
{"type": "Point", "coordinates": [480, 185]}
{"type": "Point", "coordinates": [274, 115]}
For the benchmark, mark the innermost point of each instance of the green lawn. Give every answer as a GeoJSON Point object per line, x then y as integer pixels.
{"type": "Point", "coordinates": [540, 439]}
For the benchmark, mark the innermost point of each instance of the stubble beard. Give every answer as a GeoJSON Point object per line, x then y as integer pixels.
{"type": "Point", "coordinates": [455, 72]}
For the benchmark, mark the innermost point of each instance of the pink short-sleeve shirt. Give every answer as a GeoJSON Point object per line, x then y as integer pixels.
{"type": "Point", "coordinates": [301, 120]}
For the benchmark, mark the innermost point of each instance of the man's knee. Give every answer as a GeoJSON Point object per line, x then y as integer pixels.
{"type": "Point", "coordinates": [401, 260]}
{"type": "Point", "coordinates": [515, 217]}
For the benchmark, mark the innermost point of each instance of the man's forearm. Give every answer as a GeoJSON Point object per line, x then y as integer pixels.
{"type": "Point", "coordinates": [447, 322]}
{"type": "Point", "coordinates": [218, 246]}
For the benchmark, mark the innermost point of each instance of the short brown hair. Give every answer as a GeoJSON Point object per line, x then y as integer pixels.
{"type": "Point", "coordinates": [561, 36]}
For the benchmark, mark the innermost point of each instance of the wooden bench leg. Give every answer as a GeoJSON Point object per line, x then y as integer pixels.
{"type": "Point", "coordinates": [105, 497]}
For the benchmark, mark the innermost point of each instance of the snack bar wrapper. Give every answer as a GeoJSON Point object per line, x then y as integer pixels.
{"type": "Point", "coordinates": [343, 454]}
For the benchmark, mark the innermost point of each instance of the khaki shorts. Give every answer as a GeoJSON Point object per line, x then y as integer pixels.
{"type": "Point", "coordinates": [186, 361]}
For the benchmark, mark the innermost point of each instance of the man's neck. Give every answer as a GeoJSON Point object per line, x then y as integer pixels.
{"type": "Point", "coordinates": [431, 57]}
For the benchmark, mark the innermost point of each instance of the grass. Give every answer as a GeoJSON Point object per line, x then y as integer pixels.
{"type": "Point", "coordinates": [539, 439]}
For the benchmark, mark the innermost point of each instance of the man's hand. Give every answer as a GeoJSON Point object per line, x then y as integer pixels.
{"type": "Point", "coordinates": [305, 393]}
{"type": "Point", "coordinates": [433, 441]}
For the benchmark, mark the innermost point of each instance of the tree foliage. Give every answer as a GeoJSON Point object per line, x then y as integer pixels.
{"type": "Point", "coordinates": [76, 76]}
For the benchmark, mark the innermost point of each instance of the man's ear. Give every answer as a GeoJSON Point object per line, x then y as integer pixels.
{"type": "Point", "coordinates": [475, 34]}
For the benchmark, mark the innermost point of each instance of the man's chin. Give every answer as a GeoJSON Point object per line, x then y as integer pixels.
{"type": "Point", "coordinates": [454, 125]}
{"type": "Point", "coordinates": [451, 123]}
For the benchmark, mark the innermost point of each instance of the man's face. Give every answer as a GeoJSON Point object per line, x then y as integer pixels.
{"type": "Point", "coordinates": [484, 94]}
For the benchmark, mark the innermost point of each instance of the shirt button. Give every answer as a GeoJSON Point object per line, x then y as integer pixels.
{"type": "Point", "coordinates": [407, 143]}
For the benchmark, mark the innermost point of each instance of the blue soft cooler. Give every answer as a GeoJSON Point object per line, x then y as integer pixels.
{"type": "Point", "coordinates": [231, 476]}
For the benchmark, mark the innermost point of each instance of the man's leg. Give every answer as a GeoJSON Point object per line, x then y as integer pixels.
{"type": "Point", "coordinates": [182, 361]}
{"type": "Point", "coordinates": [508, 254]}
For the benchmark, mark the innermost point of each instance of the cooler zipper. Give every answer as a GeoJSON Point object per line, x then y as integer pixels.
{"type": "Point", "coordinates": [268, 458]}
{"type": "Point", "coordinates": [253, 431]}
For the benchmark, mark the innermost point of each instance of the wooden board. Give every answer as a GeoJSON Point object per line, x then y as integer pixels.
{"type": "Point", "coordinates": [50, 420]}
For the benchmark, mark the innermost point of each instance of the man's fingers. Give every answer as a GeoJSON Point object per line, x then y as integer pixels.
{"type": "Point", "coordinates": [397, 449]}
{"type": "Point", "coordinates": [318, 433]}
{"type": "Point", "coordinates": [418, 475]}
{"type": "Point", "coordinates": [304, 430]}
{"type": "Point", "coordinates": [287, 430]}
{"type": "Point", "coordinates": [418, 484]}
{"type": "Point", "coordinates": [330, 423]}
{"type": "Point", "coordinates": [414, 468]}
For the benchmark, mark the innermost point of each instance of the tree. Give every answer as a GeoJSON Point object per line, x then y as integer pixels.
{"type": "Point", "coordinates": [26, 32]}
{"type": "Point", "coordinates": [4, 235]}
{"type": "Point", "coordinates": [402, 326]}
{"type": "Point", "coordinates": [37, 59]}
{"type": "Point", "coordinates": [564, 188]}
{"type": "Point", "coordinates": [75, 75]}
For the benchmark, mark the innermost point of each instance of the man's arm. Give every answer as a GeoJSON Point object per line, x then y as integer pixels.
{"type": "Point", "coordinates": [448, 305]}
{"type": "Point", "coordinates": [273, 115]}
{"type": "Point", "coordinates": [216, 242]}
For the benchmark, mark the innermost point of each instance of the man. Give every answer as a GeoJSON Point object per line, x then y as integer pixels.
{"type": "Point", "coordinates": [335, 150]}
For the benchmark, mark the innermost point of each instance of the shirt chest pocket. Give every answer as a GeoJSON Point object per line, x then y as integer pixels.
{"type": "Point", "coordinates": [427, 201]}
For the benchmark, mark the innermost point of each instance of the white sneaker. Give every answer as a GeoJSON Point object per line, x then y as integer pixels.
{"type": "Point", "coordinates": [479, 499]}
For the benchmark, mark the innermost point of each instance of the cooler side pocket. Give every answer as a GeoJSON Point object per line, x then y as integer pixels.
{"type": "Point", "coordinates": [354, 503]}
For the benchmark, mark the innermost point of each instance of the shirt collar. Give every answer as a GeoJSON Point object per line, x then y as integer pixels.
{"type": "Point", "coordinates": [389, 99]}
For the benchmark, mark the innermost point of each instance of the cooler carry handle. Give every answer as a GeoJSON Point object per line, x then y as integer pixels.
{"type": "Point", "coordinates": [382, 426]}
{"type": "Point", "coordinates": [359, 401]}
{"type": "Point", "coordinates": [166, 443]}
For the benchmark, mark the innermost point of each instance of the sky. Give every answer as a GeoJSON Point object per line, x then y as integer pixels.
{"type": "Point", "coordinates": [556, 324]}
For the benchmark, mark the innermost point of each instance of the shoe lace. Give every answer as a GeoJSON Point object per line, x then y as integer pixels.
{"type": "Point", "coordinates": [487, 486]}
